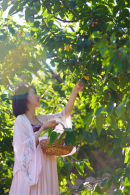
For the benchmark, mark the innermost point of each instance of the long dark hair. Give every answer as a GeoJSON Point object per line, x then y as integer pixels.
{"type": "Point", "coordinates": [19, 99]}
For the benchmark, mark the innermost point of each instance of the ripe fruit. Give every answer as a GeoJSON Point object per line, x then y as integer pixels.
{"type": "Point", "coordinates": [91, 86]}
{"type": "Point", "coordinates": [92, 45]}
{"type": "Point", "coordinates": [85, 92]}
{"type": "Point", "coordinates": [96, 22]}
{"type": "Point", "coordinates": [109, 93]}
{"type": "Point", "coordinates": [119, 55]}
{"type": "Point", "coordinates": [77, 85]}
{"type": "Point", "coordinates": [20, 33]}
{"type": "Point", "coordinates": [67, 47]}
{"type": "Point", "coordinates": [96, 19]}
{"type": "Point", "coordinates": [81, 66]}
{"type": "Point", "coordinates": [114, 185]}
{"type": "Point", "coordinates": [61, 5]}
{"type": "Point", "coordinates": [111, 143]}
{"type": "Point", "coordinates": [73, 66]}
{"type": "Point", "coordinates": [86, 77]}
{"type": "Point", "coordinates": [92, 24]}
{"type": "Point", "coordinates": [88, 83]}
{"type": "Point", "coordinates": [84, 34]}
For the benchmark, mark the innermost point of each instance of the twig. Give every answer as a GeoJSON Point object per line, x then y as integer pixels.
{"type": "Point", "coordinates": [65, 21]}
{"type": "Point", "coordinates": [69, 9]}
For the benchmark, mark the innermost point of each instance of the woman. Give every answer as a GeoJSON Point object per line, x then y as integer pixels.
{"type": "Point", "coordinates": [35, 172]}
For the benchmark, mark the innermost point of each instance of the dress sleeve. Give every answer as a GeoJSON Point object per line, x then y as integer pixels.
{"type": "Point", "coordinates": [25, 150]}
{"type": "Point", "coordinates": [60, 117]}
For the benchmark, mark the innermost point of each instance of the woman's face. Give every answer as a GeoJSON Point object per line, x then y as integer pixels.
{"type": "Point", "coordinates": [33, 98]}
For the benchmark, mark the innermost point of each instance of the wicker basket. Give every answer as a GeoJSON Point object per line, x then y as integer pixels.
{"type": "Point", "coordinates": [62, 149]}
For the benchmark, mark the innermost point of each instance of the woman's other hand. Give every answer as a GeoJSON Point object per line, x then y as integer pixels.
{"type": "Point", "coordinates": [50, 124]}
{"type": "Point", "coordinates": [78, 87]}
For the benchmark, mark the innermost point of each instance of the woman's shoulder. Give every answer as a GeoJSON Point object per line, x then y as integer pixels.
{"type": "Point", "coordinates": [19, 118]}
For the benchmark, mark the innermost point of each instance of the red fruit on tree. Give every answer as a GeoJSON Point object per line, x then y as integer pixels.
{"type": "Point", "coordinates": [119, 55]}
{"type": "Point", "coordinates": [114, 185]}
{"type": "Point", "coordinates": [20, 33]}
{"type": "Point", "coordinates": [92, 24]}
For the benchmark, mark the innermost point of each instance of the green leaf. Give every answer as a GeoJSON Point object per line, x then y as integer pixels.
{"type": "Point", "coordinates": [36, 24]}
{"type": "Point", "coordinates": [101, 89]}
{"type": "Point", "coordinates": [117, 65]}
{"type": "Point", "coordinates": [109, 27]}
{"type": "Point", "coordinates": [80, 167]}
{"type": "Point", "coordinates": [99, 123]}
{"type": "Point", "coordinates": [85, 119]}
{"type": "Point", "coordinates": [88, 122]}
{"type": "Point", "coordinates": [67, 141]}
{"type": "Point", "coordinates": [110, 109]}
{"type": "Point", "coordinates": [128, 128]}
{"type": "Point", "coordinates": [68, 167]}
{"type": "Point", "coordinates": [72, 4]}
{"type": "Point", "coordinates": [112, 85]}
{"type": "Point", "coordinates": [112, 121]}
{"type": "Point", "coordinates": [53, 137]}
{"type": "Point", "coordinates": [124, 100]}
{"type": "Point", "coordinates": [81, 187]}
{"type": "Point", "coordinates": [119, 110]}
{"type": "Point", "coordinates": [88, 165]}
{"type": "Point", "coordinates": [113, 36]}
{"type": "Point", "coordinates": [93, 137]}
{"type": "Point", "coordinates": [60, 163]}
{"type": "Point", "coordinates": [13, 8]}
{"type": "Point", "coordinates": [26, 15]}
{"type": "Point", "coordinates": [89, 22]}
{"type": "Point", "coordinates": [1, 12]}
{"type": "Point", "coordinates": [69, 160]}
{"type": "Point", "coordinates": [4, 5]}
{"type": "Point", "coordinates": [103, 46]}
{"type": "Point", "coordinates": [72, 137]}
{"type": "Point", "coordinates": [117, 142]}
{"type": "Point", "coordinates": [12, 30]}
{"type": "Point", "coordinates": [104, 182]}
{"type": "Point", "coordinates": [60, 139]}
{"type": "Point", "coordinates": [68, 129]}
{"type": "Point", "coordinates": [99, 110]}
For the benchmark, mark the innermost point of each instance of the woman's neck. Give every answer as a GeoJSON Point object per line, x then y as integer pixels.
{"type": "Point", "coordinates": [31, 114]}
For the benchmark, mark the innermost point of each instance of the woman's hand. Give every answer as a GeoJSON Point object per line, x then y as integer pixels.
{"type": "Point", "coordinates": [50, 124]}
{"type": "Point", "coordinates": [79, 86]}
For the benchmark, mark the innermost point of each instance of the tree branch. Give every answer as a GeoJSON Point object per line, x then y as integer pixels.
{"type": "Point", "coordinates": [68, 8]}
{"type": "Point", "coordinates": [48, 28]}
{"type": "Point", "coordinates": [72, 28]}
{"type": "Point", "coordinates": [54, 34]}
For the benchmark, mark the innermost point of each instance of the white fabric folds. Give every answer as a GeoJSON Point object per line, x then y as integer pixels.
{"type": "Point", "coordinates": [28, 157]}
{"type": "Point", "coordinates": [25, 150]}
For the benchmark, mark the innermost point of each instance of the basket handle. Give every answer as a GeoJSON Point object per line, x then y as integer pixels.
{"type": "Point", "coordinates": [61, 124]}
